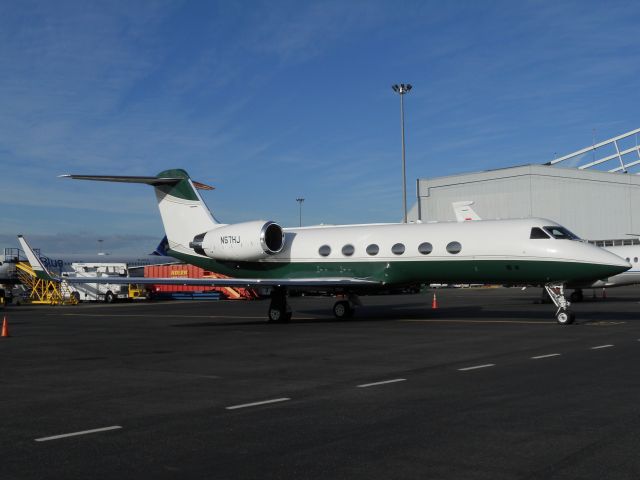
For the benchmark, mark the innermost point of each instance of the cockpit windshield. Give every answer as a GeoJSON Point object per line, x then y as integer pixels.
{"type": "Point", "coordinates": [561, 233]}
{"type": "Point", "coordinates": [538, 234]}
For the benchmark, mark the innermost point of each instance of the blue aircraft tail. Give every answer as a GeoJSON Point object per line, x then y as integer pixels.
{"type": "Point", "coordinates": [161, 249]}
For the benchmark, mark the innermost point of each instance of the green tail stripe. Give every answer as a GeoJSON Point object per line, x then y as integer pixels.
{"type": "Point", "coordinates": [182, 189]}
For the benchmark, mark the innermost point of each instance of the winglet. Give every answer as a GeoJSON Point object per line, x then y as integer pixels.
{"type": "Point", "coordinates": [37, 266]}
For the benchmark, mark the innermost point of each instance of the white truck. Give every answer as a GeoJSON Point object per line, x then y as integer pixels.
{"type": "Point", "coordinates": [97, 292]}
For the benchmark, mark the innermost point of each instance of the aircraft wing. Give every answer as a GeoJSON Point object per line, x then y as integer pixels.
{"type": "Point", "coordinates": [41, 272]}
{"type": "Point", "coordinates": [225, 282]}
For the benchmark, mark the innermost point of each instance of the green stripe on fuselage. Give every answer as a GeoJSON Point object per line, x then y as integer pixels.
{"type": "Point", "coordinates": [403, 272]}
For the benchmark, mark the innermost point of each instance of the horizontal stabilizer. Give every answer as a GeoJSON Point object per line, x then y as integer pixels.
{"type": "Point", "coordinates": [154, 181]}
{"type": "Point", "coordinates": [126, 179]}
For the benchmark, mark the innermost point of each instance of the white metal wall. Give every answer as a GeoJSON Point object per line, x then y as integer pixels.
{"type": "Point", "coordinates": [595, 205]}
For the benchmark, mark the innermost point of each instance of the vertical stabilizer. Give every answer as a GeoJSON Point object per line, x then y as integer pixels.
{"type": "Point", "coordinates": [184, 213]}
{"type": "Point", "coordinates": [464, 212]}
{"type": "Point", "coordinates": [38, 268]}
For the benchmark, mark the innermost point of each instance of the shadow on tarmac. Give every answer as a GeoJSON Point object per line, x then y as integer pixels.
{"type": "Point", "coordinates": [391, 313]}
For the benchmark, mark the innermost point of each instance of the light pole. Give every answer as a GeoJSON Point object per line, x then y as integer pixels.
{"type": "Point", "coordinates": [401, 89]}
{"type": "Point", "coordinates": [300, 200]}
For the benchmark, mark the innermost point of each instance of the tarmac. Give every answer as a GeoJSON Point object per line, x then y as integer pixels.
{"type": "Point", "coordinates": [487, 386]}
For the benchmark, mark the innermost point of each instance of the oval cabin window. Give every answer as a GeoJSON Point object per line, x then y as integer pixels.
{"type": "Point", "coordinates": [373, 249]}
{"type": "Point", "coordinates": [425, 248]}
{"type": "Point", "coordinates": [398, 249]}
{"type": "Point", "coordinates": [324, 250]}
{"type": "Point", "coordinates": [348, 250]}
{"type": "Point", "coordinates": [454, 247]}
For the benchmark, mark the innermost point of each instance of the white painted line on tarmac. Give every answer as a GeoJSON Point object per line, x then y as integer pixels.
{"type": "Point", "coordinates": [546, 356]}
{"type": "Point", "coordinates": [176, 316]}
{"type": "Point", "coordinates": [444, 320]}
{"type": "Point", "coordinates": [475, 367]}
{"type": "Point", "coordinates": [255, 404]}
{"type": "Point", "coordinates": [601, 346]}
{"type": "Point", "coordinates": [395, 380]}
{"type": "Point", "coordinates": [154, 315]}
{"type": "Point", "coordinates": [75, 434]}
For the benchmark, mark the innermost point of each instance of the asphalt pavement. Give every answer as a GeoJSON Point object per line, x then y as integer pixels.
{"type": "Point", "coordinates": [487, 386]}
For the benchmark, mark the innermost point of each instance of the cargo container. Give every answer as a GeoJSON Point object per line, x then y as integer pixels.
{"type": "Point", "coordinates": [190, 271]}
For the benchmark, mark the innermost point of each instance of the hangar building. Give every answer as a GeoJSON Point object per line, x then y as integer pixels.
{"type": "Point", "coordinates": [596, 205]}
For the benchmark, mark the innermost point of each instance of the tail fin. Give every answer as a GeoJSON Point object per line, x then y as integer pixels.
{"type": "Point", "coordinates": [184, 213]}
{"type": "Point", "coordinates": [464, 212]}
{"type": "Point", "coordinates": [161, 249]}
{"type": "Point", "coordinates": [37, 266]}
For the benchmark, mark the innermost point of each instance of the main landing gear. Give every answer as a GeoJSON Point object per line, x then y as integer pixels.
{"type": "Point", "coordinates": [346, 308]}
{"type": "Point", "coordinates": [563, 315]}
{"type": "Point", "coordinates": [279, 309]}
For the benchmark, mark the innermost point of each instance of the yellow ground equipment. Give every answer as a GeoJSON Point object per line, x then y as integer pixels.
{"type": "Point", "coordinates": [46, 292]}
{"type": "Point", "coordinates": [136, 291]}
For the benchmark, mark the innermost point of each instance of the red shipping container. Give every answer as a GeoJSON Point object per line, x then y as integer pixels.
{"type": "Point", "coordinates": [191, 271]}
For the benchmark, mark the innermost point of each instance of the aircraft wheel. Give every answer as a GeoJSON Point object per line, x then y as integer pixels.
{"type": "Point", "coordinates": [565, 317]}
{"type": "Point", "coordinates": [342, 309]}
{"type": "Point", "coordinates": [275, 314]}
{"type": "Point", "coordinates": [279, 315]}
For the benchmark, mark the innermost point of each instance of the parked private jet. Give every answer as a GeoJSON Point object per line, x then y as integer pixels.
{"type": "Point", "coordinates": [357, 259]}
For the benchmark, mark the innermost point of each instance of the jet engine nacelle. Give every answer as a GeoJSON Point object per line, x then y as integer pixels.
{"type": "Point", "coordinates": [246, 241]}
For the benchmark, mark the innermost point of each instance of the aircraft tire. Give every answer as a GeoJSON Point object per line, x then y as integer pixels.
{"type": "Point", "coordinates": [565, 317]}
{"type": "Point", "coordinates": [274, 314]}
{"type": "Point", "coordinates": [342, 309]}
{"type": "Point", "coordinates": [279, 315]}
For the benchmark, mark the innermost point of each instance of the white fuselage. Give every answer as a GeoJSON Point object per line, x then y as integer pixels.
{"type": "Point", "coordinates": [396, 253]}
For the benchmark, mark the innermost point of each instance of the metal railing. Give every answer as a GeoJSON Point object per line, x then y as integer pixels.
{"type": "Point", "coordinates": [625, 157]}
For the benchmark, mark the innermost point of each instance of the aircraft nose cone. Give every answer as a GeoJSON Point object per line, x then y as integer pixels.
{"type": "Point", "coordinates": [617, 264]}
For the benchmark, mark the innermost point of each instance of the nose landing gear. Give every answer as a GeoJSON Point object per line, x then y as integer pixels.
{"type": "Point", "coordinates": [563, 315]}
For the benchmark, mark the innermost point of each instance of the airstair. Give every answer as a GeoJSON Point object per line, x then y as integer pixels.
{"type": "Point", "coordinates": [44, 292]}
{"type": "Point", "coordinates": [232, 293]}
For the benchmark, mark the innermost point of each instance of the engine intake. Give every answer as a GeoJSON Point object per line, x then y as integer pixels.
{"type": "Point", "coordinates": [245, 241]}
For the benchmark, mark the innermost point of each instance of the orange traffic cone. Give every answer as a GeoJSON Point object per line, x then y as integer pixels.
{"type": "Point", "coordinates": [5, 327]}
{"type": "Point", "coordinates": [434, 302]}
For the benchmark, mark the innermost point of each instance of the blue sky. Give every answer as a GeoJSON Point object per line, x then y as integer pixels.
{"type": "Point", "coordinates": [269, 101]}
